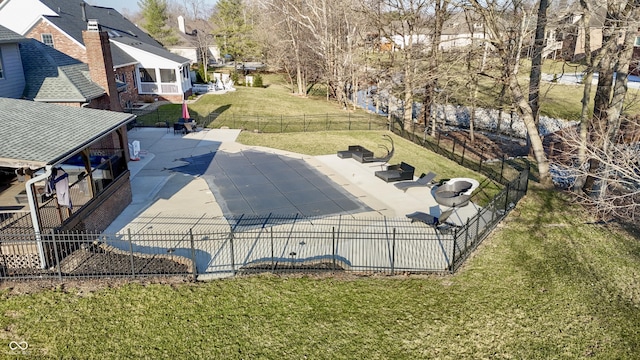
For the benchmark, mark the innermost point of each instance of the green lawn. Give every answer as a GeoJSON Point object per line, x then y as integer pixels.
{"type": "Point", "coordinates": [548, 284]}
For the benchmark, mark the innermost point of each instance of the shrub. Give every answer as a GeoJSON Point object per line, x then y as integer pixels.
{"type": "Point", "coordinates": [257, 80]}
{"type": "Point", "coordinates": [235, 78]}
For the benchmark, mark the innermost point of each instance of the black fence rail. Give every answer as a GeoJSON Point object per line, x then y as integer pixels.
{"type": "Point", "coordinates": [502, 170]}
{"type": "Point", "coordinates": [221, 247]}
{"type": "Point", "coordinates": [161, 117]}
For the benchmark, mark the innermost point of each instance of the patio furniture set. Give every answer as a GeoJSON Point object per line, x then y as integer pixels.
{"type": "Point", "coordinates": [451, 193]}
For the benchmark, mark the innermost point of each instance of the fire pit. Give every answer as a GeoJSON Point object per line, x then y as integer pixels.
{"type": "Point", "coordinates": [455, 192]}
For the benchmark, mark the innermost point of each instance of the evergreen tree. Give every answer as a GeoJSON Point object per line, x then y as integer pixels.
{"type": "Point", "coordinates": [233, 29]}
{"type": "Point", "coordinates": [155, 17]}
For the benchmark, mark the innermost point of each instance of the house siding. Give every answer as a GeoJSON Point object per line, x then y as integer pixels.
{"type": "Point", "coordinates": [12, 84]}
{"type": "Point", "coordinates": [61, 42]}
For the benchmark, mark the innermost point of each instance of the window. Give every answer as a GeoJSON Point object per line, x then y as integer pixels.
{"type": "Point", "coordinates": [1, 68]}
{"type": "Point", "coordinates": [637, 43]}
{"type": "Point", "coordinates": [167, 75]}
{"type": "Point", "coordinates": [47, 39]}
{"type": "Point", "coordinates": [147, 75]}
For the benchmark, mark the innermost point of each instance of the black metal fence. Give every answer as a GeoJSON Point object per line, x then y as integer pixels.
{"type": "Point", "coordinates": [161, 117]}
{"type": "Point", "coordinates": [222, 247]}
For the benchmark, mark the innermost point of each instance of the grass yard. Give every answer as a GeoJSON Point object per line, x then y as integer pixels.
{"type": "Point", "coordinates": [548, 284]}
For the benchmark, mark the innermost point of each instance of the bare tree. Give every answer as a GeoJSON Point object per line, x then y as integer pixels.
{"type": "Point", "coordinates": [493, 15]}
{"type": "Point", "coordinates": [618, 176]}
{"type": "Point", "coordinates": [198, 13]}
{"type": "Point", "coordinates": [614, 58]}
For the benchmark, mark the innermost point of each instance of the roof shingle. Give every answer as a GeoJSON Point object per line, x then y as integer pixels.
{"type": "Point", "coordinates": [35, 134]}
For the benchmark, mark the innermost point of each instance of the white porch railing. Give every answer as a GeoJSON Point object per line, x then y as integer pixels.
{"type": "Point", "coordinates": [154, 88]}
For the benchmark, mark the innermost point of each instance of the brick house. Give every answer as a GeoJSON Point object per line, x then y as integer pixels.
{"type": "Point", "coordinates": [141, 66]}
{"type": "Point", "coordinates": [38, 137]}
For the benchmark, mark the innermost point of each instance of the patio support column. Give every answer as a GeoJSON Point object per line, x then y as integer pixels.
{"type": "Point", "coordinates": [33, 207]}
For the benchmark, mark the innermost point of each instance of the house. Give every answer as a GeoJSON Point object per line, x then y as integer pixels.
{"type": "Point", "coordinates": [12, 80]}
{"type": "Point", "coordinates": [634, 67]}
{"type": "Point", "coordinates": [192, 42]}
{"type": "Point", "coordinates": [460, 30]}
{"type": "Point", "coordinates": [565, 28]}
{"type": "Point", "coordinates": [141, 66]}
{"type": "Point", "coordinates": [88, 148]}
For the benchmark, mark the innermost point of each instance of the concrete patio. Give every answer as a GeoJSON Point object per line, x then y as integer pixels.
{"type": "Point", "coordinates": [169, 200]}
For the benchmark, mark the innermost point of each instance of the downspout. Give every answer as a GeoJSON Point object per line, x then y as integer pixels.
{"type": "Point", "coordinates": [34, 211]}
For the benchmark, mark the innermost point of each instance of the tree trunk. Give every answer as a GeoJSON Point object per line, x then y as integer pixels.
{"type": "Point", "coordinates": [536, 61]}
{"type": "Point", "coordinates": [532, 130]}
{"type": "Point", "coordinates": [586, 92]}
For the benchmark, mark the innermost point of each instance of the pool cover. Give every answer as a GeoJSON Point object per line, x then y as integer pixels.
{"type": "Point", "coordinates": [255, 183]}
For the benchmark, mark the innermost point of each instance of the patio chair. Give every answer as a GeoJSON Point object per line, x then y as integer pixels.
{"type": "Point", "coordinates": [397, 172]}
{"type": "Point", "coordinates": [430, 219]}
{"type": "Point", "coordinates": [424, 180]}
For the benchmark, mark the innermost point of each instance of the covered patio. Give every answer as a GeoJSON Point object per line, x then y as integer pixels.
{"type": "Point", "coordinates": [85, 150]}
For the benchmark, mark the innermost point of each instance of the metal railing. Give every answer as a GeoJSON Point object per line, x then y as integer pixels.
{"type": "Point", "coordinates": [245, 245]}
{"type": "Point", "coordinates": [260, 123]}
{"type": "Point", "coordinates": [221, 247]}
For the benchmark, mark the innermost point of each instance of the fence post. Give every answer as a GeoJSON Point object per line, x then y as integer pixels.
{"type": "Point", "coordinates": [194, 268]}
{"type": "Point", "coordinates": [466, 236]}
{"type": "Point", "coordinates": [464, 149]}
{"type": "Point", "coordinates": [393, 252]}
{"type": "Point", "coordinates": [506, 199]}
{"type": "Point", "coordinates": [333, 247]}
{"type": "Point", "coordinates": [304, 122]}
{"type": "Point", "coordinates": [133, 269]}
{"type": "Point", "coordinates": [369, 119]}
{"type": "Point", "coordinates": [452, 266]}
{"type": "Point", "coordinates": [281, 128]}
{"type": "Point", "coordinates": [502, 168]}
{"type": "Point", "coordinates": [273, 262]}
{"type": "Point", "coordinates": [233, 258]}
{"type": "Point", "coordinates": [438, 143]}
{"type": "Point", "coordinates": [453, 150]}
{"type": "Point", "coordinates": [326, 122]}
{"type": "Point", "coordinates": [55, 253]}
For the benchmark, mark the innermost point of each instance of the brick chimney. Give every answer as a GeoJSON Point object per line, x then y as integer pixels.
{"type": "Point", "coordinates": [98, 50]}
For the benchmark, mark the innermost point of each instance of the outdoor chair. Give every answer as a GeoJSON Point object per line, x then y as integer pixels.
{"type": "Point", "coordinates": [346, 154]}
{"type": "Point", "coordinates": [424, 180]}
{"type": "Point", "coordinates": [178, 128]}
{"type": "Point", "coordinates": [397, 172]}
{"type": "Point", "coordinates": [430, 219]}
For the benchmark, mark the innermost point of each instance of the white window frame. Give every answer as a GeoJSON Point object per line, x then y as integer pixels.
{"type": "Point", "coordinates": [51, 43]}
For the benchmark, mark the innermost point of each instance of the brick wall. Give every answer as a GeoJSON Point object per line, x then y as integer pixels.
{"type": "Point", "coordinates": [104, 209]}
{"type": "Point", "coordinates": [61, 42]}
{"type": "Point", "coordinates": [131, 94]}
{"type": "Point", "coordinates": [98, 51]}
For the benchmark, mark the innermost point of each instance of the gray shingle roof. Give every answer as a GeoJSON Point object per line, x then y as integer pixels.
{"type": "Point", "coordinates": [35, 134]}
{"type": "Point", "coordinates": [8, 37]}
{"type": "Point", "coordinates": [159, 51]}
{"type": "Point", "coordinates": [53, 76]}
{"type": "Point", "coordinates": [70, 21]}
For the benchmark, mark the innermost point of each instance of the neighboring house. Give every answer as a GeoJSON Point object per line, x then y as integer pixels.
{"type": "Point", "coordinates": [566, 28]}
{"type": "Point", "coordinates": [141, 65]}
{"type": "Point", "coordinates": [192, 40]}
{"type": "Point", "coordinates": [12, 80]}
{"type": "Point", "coordinates": [634, 67]}
{"type": "Point", "coordinates": [460, 32]}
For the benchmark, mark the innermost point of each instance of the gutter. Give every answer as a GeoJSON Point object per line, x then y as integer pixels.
{"type": "Point", "coordinates": [34, 212]}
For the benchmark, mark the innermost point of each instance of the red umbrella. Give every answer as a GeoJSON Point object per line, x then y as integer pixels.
{"type": "Point", "coordinates": [185, 110]}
